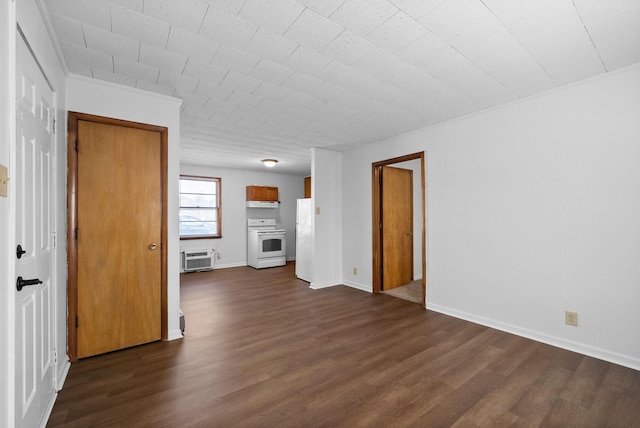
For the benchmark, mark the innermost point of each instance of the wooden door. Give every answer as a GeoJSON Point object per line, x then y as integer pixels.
{"type": "Point", "coordinates": [34, 204]}
{"type": "Point", "coordinates": [119, 218]}
{"type": "Point", "coordinates": [397, 227]}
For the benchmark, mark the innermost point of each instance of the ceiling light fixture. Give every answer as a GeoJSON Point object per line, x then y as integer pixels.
{"type": "Point", "coordinates": [269, 163]}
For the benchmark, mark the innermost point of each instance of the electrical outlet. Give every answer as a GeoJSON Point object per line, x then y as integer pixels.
{"type": "Point", "coordinates": [571, 318]}
{"type": "Point", "coordinates": [218, 256]}
{"type": "Point", "coordinates": [355, 271]}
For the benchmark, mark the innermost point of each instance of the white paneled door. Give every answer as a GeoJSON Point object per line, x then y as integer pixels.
{"type": "Point", "coordinates": [34, 351]}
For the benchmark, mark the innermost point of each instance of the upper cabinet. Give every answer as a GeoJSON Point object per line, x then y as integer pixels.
{"type": "Point", "coordinates": [262, 193]}
{"type": "Point", "coordinates": [307, 187]}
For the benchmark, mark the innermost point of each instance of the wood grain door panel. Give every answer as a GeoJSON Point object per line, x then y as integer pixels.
{"type": "Point", "coordinates": [397, 227]}
{"type": "Point", "coordinates": [119, 203]}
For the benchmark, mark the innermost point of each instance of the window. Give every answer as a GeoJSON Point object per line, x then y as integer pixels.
{"type": "Point", "coordinates": [200, 208]}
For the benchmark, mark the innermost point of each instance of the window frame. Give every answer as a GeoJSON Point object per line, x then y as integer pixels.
{"type": "Point", "coordinates": [218, 182]}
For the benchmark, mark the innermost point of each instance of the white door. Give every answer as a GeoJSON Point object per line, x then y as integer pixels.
{"type": "Point", "coordinates": [35, 354]}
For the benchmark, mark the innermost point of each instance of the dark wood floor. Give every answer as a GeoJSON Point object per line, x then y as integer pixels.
{"type": "Point", "coordinates": [263, 350]}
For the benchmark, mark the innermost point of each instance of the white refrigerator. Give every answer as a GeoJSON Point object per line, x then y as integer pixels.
{"type": "Point", "coordinates": [304, 240]}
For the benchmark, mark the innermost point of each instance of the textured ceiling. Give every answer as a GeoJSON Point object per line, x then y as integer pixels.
{"type": "Point", "coordinates": [274, 78]}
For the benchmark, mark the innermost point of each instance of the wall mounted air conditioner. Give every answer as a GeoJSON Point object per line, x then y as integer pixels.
{"type": "Point", "coordinates": [195, 260]}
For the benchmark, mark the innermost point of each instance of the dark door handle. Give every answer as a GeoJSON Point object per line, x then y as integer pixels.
{"type": "Point", "coordinates": [20, 283]}
{"type": "Point", "coordinates": [20, 251]}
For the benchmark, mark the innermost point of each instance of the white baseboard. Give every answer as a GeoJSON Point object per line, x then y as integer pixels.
{"type": "Point", "coordinates": [47, 413]}
{"type": "Point", "coordinates": [319, 285]}
{"type": "Point", "coordinates": [601, 354]}
{"type": "Point", "coordinates": [174, 334]}
{"type": "Point", "coordinates": [358, 286]}
{"type": "Point", "coordinates": [63, 375]}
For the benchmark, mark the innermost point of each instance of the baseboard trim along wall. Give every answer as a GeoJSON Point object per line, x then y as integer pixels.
{"type": "Point", "coordinates": [623, 360]}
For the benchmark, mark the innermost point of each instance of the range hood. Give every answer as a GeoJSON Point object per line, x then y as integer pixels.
{"type": "Point", "coordinates": [262, 204]}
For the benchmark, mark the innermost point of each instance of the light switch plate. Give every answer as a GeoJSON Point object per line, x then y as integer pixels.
{"type": "Point", "coordinates": [4, 180]}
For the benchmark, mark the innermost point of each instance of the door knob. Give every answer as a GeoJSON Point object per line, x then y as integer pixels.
{"type": "Point", "coordinates": [20, 251]}
{"type": "Point", "coordinates": [21, 283]}
{"type": "Point", "coordinates": [153, 246]}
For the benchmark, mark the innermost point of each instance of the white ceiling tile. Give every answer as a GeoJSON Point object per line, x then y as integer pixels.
{"type": "Point", "coordinates": [274, 15]}
{"type": "Point", "coordinates": [83, 56]}
{"type": "Point", "coordinates": [221, 106]}
{"type": "Point", "coordinates": [614, 27]}
{"type": "Point", "coordinates": [271, 106]}
{"type": "Point", "coordinates": [348, 48]}
{"type": "Point", "coordinates": [135, 69]}
{"type": "Point", "coordinates": [136, 5]}
{"type": "Point", "coordinates": [397, 32]}
{"type": "Point", "coordinates": [474, 31]}
{"type": "Point", "coordinates": [227, 29]}
{"type": "Point", "coordinates": [298, 99]}
{"type": "Point", "coordinates": [69, 31]}
{"type": "Point", "coordinates": [271, 91]}
{"type": "Point", "coordinates": [162, 59]}
{"type": "Point", "coordinates": [114, 78]}
{"type": "Point", "coordinates": [186, 43]}
{"type": "Point", "coordinates": [136, 26]}
{"type": "Point", "coordinates": [187, 14]}
{"type": "Point", "coordinates": [91, 12]}
{"type": "Point", "coordinates": [205, 72]}
{"type": "Point", "coordinates": [362, 16]}
{"type": "Point", "coordinates": [240, 82]}
{"type": "Point", "coordinates": [271, 72]}
{"type": "Point", "coordinates": [81, 69]}
{"type": "Point", "coordinates": [324, 7]}
{"type": "Point", "coordinates": [231, 7]}
{"type": "Point", "coordinates": [417, 8]}
{"type": "Point", "coordinates": [191, 98]}
{"type": "Point", "coordinates": [451, 67]}
{"type": "Point", "coordinates": [234, 59]}
{"type": "Point", "coordinates": [154, 87]}
{"type": "Point", "coordinates": [212, 91]}
{"type": "Point", "coordinates": [270, 45]}
{"type": "Point", "coordinates": [112, 44]}
{"type": "Point", "coordinates": [554, 34]}
{"type": "Point", "coordinates": [302, 82]}
{"type": "Point", "coordinates": [313, 30]}
{"type": "Point", "coordinates": [244, 100]}
{"type": "Point", "coordinates": [178, 82]}
{"type": "Point", "coordinates": [337, 73]}
{"type": "Point", "coordinates": [306, 60]}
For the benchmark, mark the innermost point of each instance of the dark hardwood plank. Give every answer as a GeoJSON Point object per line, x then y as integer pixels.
{"type": "Point", "coordinates": [261, 349]}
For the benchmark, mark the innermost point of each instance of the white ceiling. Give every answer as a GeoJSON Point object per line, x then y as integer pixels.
{"type": "Point", "coordinates": [274, 78]}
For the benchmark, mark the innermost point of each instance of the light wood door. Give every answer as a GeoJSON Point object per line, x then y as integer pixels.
{"type": "Point", "coordinates": [34, 204]}
{"type": "Point", "coordinates": [119, 203]}
{"type": "Point", "coordinates": [397, 227]}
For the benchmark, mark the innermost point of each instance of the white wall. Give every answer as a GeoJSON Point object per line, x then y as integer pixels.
{"type": "Point", "coordinates": [107, 99]}
{"type": "Point", "coordinates": [326, 194]}
{"type": "Point", "coordinates": [232, 247]}
{"type": "Point", "coordinates": [532, 210]}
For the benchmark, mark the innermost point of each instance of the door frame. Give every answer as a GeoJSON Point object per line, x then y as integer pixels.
{"type": "Point", "coordinates": [376, 209]}
{"type": "Point", "coordinates": [72, 220]}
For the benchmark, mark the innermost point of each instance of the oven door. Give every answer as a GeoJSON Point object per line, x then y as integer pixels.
{"type": "Point", "coordinates": [271, 244]}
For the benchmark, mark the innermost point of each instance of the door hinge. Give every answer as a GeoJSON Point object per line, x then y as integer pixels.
{"type": "Point", "coordinates": [75, 232]}
{"type": "Point", "coordinates": [76, 146]}
{"type": "Point", "coordinates": [76, 321]}
{"type": "Point", "coordinates": [54, 240]}
{"type": "Point", "coordinates": [54, 356]}
{"type": "Point", "coordinates": [53, 126]}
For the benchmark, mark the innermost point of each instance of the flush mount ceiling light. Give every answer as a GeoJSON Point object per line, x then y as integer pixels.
{"type": "Point", "coordinates": [269, 163]}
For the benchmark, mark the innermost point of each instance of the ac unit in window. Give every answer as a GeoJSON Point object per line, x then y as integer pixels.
{"type": "Point", "coordinates": [195, 260]}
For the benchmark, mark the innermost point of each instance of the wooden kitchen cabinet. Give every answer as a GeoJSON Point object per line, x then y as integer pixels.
{"type": "Point", "coordinates": [262, 193]}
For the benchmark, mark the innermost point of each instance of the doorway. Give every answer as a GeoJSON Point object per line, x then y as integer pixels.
{"type": "Point", "coordinates": [393, 255]}
{"type": "Point", "coordinates": [117, 234]}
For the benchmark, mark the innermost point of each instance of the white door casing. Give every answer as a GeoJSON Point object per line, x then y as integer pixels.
{"type": "Point", "coordinates": [35, 356]}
